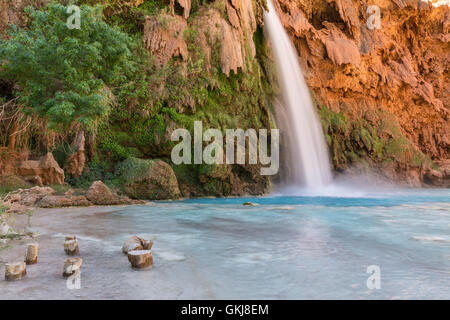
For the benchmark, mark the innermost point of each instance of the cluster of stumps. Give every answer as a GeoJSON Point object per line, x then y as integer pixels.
{"type": "Point", "coordinates": [137, 249]}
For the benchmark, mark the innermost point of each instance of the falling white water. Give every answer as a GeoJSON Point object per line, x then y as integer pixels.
{"type": "Point", "coordinates": [309, 161]}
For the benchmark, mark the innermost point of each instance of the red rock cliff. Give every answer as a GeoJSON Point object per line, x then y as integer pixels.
{"type": "Point", "coordinates": [401, 68]}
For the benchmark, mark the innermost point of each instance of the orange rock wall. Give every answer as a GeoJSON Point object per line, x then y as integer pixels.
{"type": "Point", "coordinates": [402, 68]}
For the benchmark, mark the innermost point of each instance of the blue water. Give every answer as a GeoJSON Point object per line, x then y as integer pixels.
{"type": "Point", "coordinates": [303, 247]}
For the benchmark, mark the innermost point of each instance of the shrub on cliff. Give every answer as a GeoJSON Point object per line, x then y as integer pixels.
{"type": "Point", "coordinates": [62, 74]}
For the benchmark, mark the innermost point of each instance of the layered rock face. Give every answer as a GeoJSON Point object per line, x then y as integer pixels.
{"type": "Point", "coordinates": [361, 72]}
{"type": "Point", "coordinates": [228, 29]}
{"type": "Point", "coordinates": [218, 43]}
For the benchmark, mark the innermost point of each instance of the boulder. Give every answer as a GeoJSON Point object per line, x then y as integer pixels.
{"type": "Point", "coordinates": [149, 179]}
{"type": "Point", "coordinates": [433, 177]}
{"type": "Point", "coordinates": [98, 193]}
{"type": "Point", "coordinates": [63, 201]}
{"type": "Point", "coordinates": [28, 197]}
{"type": "Point", "coordinates": [75, 162]}
{"type": "Point", "coordinates": [46, 168]}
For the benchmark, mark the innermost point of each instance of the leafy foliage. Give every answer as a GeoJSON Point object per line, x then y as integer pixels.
{"type": "Point", "coordinates": [64, 74]}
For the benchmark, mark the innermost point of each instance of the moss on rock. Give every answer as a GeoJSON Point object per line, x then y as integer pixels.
{"type": "Point", "coordinates": [148, 179]}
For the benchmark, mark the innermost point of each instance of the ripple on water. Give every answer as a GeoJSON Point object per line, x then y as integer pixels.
{"type": "Point", "coordinates": [431, 238]}
{"type": "Point", "coordinates": [170, 256]}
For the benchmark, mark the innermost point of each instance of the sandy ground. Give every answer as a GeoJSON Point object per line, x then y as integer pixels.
{"type": "Point", "coordinates": [106, 272]}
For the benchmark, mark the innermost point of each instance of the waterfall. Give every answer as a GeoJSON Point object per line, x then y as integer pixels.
{"type": "Point", "coordinates": [309, 163]}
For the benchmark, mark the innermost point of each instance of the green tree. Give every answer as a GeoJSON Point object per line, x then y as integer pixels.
{"type": "Point", "coordinates": [64, 75]}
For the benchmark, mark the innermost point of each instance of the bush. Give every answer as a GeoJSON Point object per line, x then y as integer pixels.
{"type": "Point", "coordinates": [64, 74]}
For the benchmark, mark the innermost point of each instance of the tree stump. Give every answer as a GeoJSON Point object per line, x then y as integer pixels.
{"type": "Point", "coordinates": [15, 271]}
{"type": "Point", "coordinates": [70, 238]}
{"type": "Point", "coordinates": [71, 247]}
{"type": "Point", "coordinates": [32, 253]}
{"type": "Point", "coordinates": [140, 259]}
{"type": "Point", "coordinates": [72, 266]}
{"type": "Point", "coordinates": [136, 243]}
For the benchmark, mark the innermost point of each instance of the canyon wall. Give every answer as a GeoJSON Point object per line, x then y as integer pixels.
{"type": "Point", "coordinates": [382, 94]}
{"type": "Point", "coordinates": [392, 82]}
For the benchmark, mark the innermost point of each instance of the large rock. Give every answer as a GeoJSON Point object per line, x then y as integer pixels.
{"type": "Point", "coordinates": [75, 162]}
{"type": "Point", "coordinates": [63, 201]}
{"type": "Point", "coordinates": [100, 194]}
{"type": "Point", "coordinates": [28, 197]}
{"type": "Point", "coordinates": [434, 177]}
{"type": "Point", "coordinates": [149, 179]}
{"type": "Point", "coordinates": [46, 168]}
